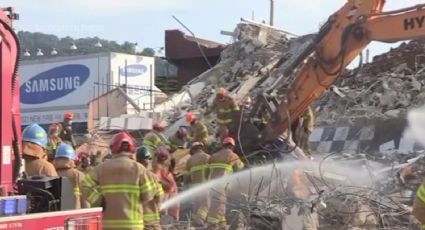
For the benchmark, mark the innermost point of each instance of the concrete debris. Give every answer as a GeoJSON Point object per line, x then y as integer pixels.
{"type": "Point", "coordinates": [385, 88]}
{"type": "Point", "coordinates": [335, 203]}
{"type": "Point", "coordinates": [246, 67]}
{"type": "Point", "coordinates": [388, 87]}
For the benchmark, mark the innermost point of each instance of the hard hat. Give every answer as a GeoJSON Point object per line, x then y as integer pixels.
{"type": "Point", "coordinates": [65, 150]}
{"type": "Point", "coordinates": [181, 132]}
{"type": "Point", "coordinates": [53, 128]}
{"type": "Point", "coordinates": [229, 141]}
{"type": "Point", "coordinates": [143, 153]}
{"type": "Point", "coordinates": [35, 134]}
{"type": "Point", "coordinates": [158, 126]}
{"type": "Point", "coordinates": [222, 91]}
{"type": "Point", "coordinates": [197, 144]}
{"type": "Point", "coordinates": [162, 153]}
{"type": "Point", "coordinates": [119, 139]}
{"type": "Point", "coordinates": [190, 117]}
{"type": "Point", "coordinates": [69, 115]}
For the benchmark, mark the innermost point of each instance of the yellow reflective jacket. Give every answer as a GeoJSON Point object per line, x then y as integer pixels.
{"type": "Point", "coordinates": [122, 186]}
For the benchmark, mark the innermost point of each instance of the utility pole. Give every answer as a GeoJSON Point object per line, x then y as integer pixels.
{"type": "Point", "coordinates": [271, 12]}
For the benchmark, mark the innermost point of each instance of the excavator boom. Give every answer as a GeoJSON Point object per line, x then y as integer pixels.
{"type": "Point", "coordinates": [340, 40]}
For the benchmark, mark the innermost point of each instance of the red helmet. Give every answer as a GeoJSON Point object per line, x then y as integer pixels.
{"type": "Point", "coordinates": [158, 126]}
{"type": "Point", "coordinates": [162, 153]}
{"type": "Point", "coordinates": [119, 139]}
{"type": "Point", "coordinates": [229, 141]}
{"type": "Point", "coordinates": [69, 115]}
{"type": "Point", "coordinates": [190, 117]}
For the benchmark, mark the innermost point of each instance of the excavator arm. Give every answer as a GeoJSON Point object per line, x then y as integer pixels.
{"type": "Point", "coordinates": [340, 40]}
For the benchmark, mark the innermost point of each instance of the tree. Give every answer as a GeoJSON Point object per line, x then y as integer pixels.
{"type": "Point", "coordinates": [32, 41]}
{"type": "Point", "coordinates": [149, 52]}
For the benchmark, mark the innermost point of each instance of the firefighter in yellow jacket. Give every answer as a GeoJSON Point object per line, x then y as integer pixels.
{"type": "Point", "coordinates": [34, 143]}
{"type": "Point", "coordinates": [307, 127]}
{"type": "Point", "coordinates": [198, 173]}
{"type": "Point", "coordinates": [198, 130]}
{"type": "Point", "coordinates": [65, 166]}
{"type": "Point", "coordinates": [221, 163]}
{"type": "Point", "coordinates": [121, 185]}
{"type": "Point", "coordinates": [151, 211]}
{"type": "Point", "coordinates": [224, 107]}
{"type": "Point", "coordinates": [155, 139]}
{"type": "Point", "coordinates": [53, 141]}
{"type": "Point", "coordinates": [178, 140]}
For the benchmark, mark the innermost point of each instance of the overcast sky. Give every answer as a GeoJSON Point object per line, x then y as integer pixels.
{"type": "Point", "coordinates": [144, 21]}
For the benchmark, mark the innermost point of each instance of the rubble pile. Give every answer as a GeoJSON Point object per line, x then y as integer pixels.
{"type": "Point", "coordinates": [334, 203]}
{"type": "Point", "coordinates": [245, 66]}
{"type": "Point", "coordinates": [385, 88]}
{"type": "Point", "coordinates": [254, 52]}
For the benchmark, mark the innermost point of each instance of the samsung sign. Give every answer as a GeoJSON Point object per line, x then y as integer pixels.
{"type": "Point", "coordinates": [134, 70]}
{"type": "Point", "coordinates": [53, 84]}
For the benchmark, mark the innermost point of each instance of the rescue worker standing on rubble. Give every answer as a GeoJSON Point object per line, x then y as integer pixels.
{"type": "Point", "coordinates": [198, 173]}
{"type": "Point", "coordinates": [164, 173]}
{"type": "Point", "coordinates": [224, 107]}
{"type": "Point", "coordinates": [66, 129]}
{"type": "Point", "coordinates": [178, 140]}
{"type": "Point", "coordinates": [151, 211]}
{"type": "Point", "coordinates": [308, 122]}
{"type": "Point", "coordinates": [53, 141]}
{"type": "Point", "coordinates": [198, 130]}
{"type": "Point", "coordinates": [302, 128]}
{"type": "Point", "coordinates": [64, 163]}
{"type": "Point", "coordinates": [221, 163]}
{"type": "Point", "coordinates": [121, 186]}
{"type": "Point", "coordinates": [34, 143]}
{"type": "Point", "coordinates": [154, 139]}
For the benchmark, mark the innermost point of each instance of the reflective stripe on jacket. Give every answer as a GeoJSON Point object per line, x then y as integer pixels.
{"type": "Point", "coordinates": [224, 110]}
{"type": "Point", "coordinates": [197, 167]}
{"type": "Point", "coordinates": [198, 132]}
{"type": "Point", "coordinates": [122, 185]}
{"type": "Point", "coordinates": [151, 140]}
{"type": "Point", "coordinates": [224, 162]}
{"type": "Point", "coordinates": [151, 209]}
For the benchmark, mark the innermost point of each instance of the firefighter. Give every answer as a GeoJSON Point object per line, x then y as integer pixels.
{"type": "Point", "coordinates": [121, 186]}
{"type": "Point", "coordinates": [64, 163]}
{"type": "Point", "coordinates": [224, 106]}
{"type": "Point", "coordinates": [53, 141]}
{"type": "Point", "coordinates": [85, 163]}
{"type": "Point", "coordinates": [154, 139]}
{"type": "Point", "coordinates": [178, 140]}
{"type": "Point", "coordinates": [221, 163]}
{"type": "Point", "coordinates": [66, 129]}
{"type": "Point", "coordinates": [151, 211]}
{"type": "Point", "coordinates": [166, 178]}
{"type": "Point", "coordinates": [34, 143]}
{"type": "Point", "coordinates": [307, 127]}
{"type": "Point", "coordinates": [197, 173]}
{"type": "Point", "coordinates": [198, 130]}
